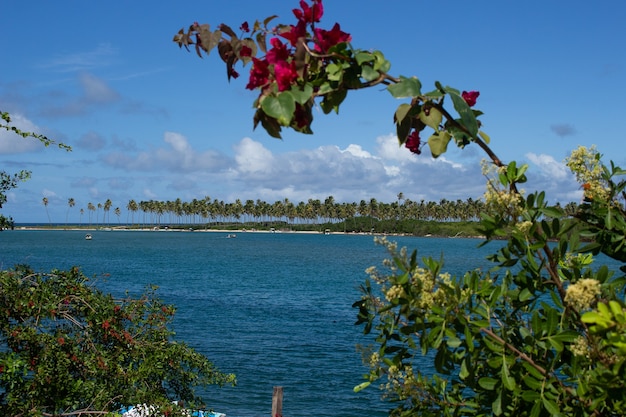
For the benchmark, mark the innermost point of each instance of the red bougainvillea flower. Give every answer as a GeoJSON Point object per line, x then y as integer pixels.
{"type": "Point", "coordinates": [279, 52]}
{"type": "Point", "coordinates": [245, 51]}
{"type": "Point", "coordinates": [310, 14]}
{"type": "Point", "coordinates": [470, 97]}
{"type": "Point", "coordinates": [259, 74]}
{"type": "Point", "coordinates": [325, 39]}
{"type": "Point", "coordinates": [245, 27]}
{"type": "Point", "coordinates": [413, 142]}
{"type": "Point", "coordinates": [294, 33]}
{"type": "Point", "coordinates": [302, 117]}
{"type": "Point", "coordinates": [285, 74]}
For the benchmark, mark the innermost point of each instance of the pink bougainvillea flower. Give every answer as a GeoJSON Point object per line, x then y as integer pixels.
{"type": "Point", "coordinates": [285, 74]}
{"type": "Point", "coordinates": [326, 39]}
{"type": "Point", "coordinates": [245, 51]}
{"type": "Point", "coordinates": [245, 27]}
{"type": "Point", "coordinates": [310, 14]}
{"type": "Point", "coordinates": [259, 74]}
{"type": "Point", "coordinates": [278, 53]}
{"type": "Point", "coordinates": [470, 97]}
{"type": "Point", "coordinates": [413, 142]}
{"type": "Point", "coordinates": [296, 32]}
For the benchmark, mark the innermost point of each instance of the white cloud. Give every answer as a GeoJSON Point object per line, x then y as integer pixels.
{"type": "Point", "coordinates": [177, 156]}
{"type": "Point", "coordinates": [80, 61]}
{"type": "Point", "coordinates": [357, 150]}
{"type": "Point", "coordinates": [388, 148]}
{"type": "Point", "coordinates": [549, 166]}
{"type": "Point", "coordinates": [253, 157]}
{"type": "Point", "coordinates": [95, 90]}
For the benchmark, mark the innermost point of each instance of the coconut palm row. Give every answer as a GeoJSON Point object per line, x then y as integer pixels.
{"type": "Point", "coordinates": [313, 211]}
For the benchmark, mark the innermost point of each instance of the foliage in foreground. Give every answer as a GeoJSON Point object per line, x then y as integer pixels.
{"type": "Point", "coordinates": [541, 334]}
{"type": "Point", "coordinates": [66, 347]}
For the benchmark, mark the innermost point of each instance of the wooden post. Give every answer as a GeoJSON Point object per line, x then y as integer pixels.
{"type": "Point", "coordinates": [277, 402]}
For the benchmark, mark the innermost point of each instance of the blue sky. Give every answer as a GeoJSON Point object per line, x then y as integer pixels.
{"type": "Point", "coordinates": [148, 121]}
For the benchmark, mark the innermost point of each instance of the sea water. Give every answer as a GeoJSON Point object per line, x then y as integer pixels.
{"type": "Point", "coordinates": [273, 308]}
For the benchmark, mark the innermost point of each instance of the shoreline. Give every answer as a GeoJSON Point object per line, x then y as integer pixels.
{"type": "Point", "coordinates": [232, 231]}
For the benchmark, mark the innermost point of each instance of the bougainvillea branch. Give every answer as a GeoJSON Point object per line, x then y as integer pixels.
{"type": "Point", "coordinates": [318, 67]}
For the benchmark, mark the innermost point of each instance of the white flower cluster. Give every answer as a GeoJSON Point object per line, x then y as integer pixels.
{"type": "Point", "coordinates": [581, 294]}
{"type": "Point", "coordinates": [585, 165]}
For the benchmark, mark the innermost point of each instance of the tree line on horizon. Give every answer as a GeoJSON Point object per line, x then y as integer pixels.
{"type": "Point", "coordinates": [313, 211]}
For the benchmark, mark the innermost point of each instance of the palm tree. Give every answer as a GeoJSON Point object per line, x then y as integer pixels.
{"type": "Point", "coordinates": [107, 207]}
{"type": "Point", "coordinates": [45, 204]}
{"type": "Point", "coordinates": [99, 206]}
{"type": "Point", "coordinates": [118, 212]}
{"type": "Point", "coordinates": [132, 207]}
{"type": "Point", "coordinates": [71, 203]}
{"type": "Point", "coordinates": [90, 208]}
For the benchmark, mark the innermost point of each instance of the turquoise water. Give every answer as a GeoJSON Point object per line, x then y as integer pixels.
{"type": "Point", "coordinates": [275, 309]}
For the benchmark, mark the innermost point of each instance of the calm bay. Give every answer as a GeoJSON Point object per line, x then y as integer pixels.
{"type": "Point", "coordinates": [275, 309]}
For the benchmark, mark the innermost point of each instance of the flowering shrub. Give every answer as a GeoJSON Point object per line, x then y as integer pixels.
{"type": "Point", "coordinates": [66, 348]}
{"type": "Point", "coordinates": [543, 332]}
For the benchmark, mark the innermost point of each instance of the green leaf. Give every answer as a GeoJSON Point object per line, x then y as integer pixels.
{"type": "Point", "coordinates": [361, 386]}
{"type": "Point", "coordinates": [550, 406]}
{"type": "Point", "coordinates": [464, 110]}
{"type": "Point", "coordinates": [380, 63]}
{"type": "Point", "coordinates": [556, 344]}
{"type": "Point", "coordinates": [432, 119]}
{"type": "Point", "coordinates": [464, 372]}
{"type": "Point", "coordinates": [484, 136]}
{"type": "Point", "coordinates": [507, 380]}
{"type": "Point", "coordinates": [369, 73]}
{"type": "Point", "coordinates": [403, 129]}
{"type": "Point", "coordinates": [301, 96]}
{"type": "Point", "coordinates": [438, 143]}
{"type": "Point", "coordinates": [407, 87]}
{"type": "Point", "coordinates": [496, 406]}
{"type": "Point", "coordinates": [332, 100]}
{"type": "Point", "coordinates": [334, 72]}
{"type": "Point", "coordinates": [280, 108]}
{"type": "Point", "coordinates": [488, 383]}
{"type": "Point", "coordinates": [554, 212]}
{"type": "Point", "coordinates": [363, 56]}
{"type": "Point", "coordinates": [530, 396]}
{"type": "Point", "coordinates": [401, 112]}
{"type": "Point", "coordinates": [525, 295]}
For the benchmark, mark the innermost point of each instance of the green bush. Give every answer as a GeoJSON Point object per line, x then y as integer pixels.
{"type": "Point", "coordinates": [68, 348]}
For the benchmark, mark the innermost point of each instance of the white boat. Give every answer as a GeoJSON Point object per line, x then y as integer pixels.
{"type": "Point", "coordinates": [231, 236]}
{"type": "Point", "coordinates": [88, 236]}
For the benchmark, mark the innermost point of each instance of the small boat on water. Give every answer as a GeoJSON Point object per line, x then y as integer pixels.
{"type": "Point", "coordinates": [231, 236]}
{"type": "Point", "coordinates": [88, 236]}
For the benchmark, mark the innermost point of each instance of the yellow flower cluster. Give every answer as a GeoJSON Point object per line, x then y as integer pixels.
{"type": "Point", "coordinates": [581, 294]}
{"type": "Point", "coordinates": [400, 381]}
{"type": "Point", "coordinates": [524, 227]}
{"type": "Point", "coordinates": [585, 165]}
{"type": "Point", "coordinates": [498, 198]}
{"type": "Point", "coordinates": [395, 292]}
{"type": "Point", "coordinates": [580, 347]}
